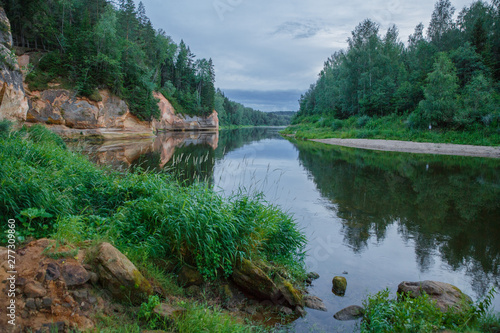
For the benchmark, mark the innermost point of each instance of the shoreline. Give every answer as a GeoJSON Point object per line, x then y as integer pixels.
{"type": "Point", "coordinates": [415, 147]}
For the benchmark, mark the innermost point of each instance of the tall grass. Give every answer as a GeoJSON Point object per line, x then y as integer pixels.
{"type": "Point", "coordinates": [57, 192]}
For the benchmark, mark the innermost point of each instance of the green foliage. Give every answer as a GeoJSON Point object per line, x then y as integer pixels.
{"type": "Point", "coordinates": [377, 75]}
{"type": "Point", "coordinates": [5, 127]}
{"type": "Point", "coordinates": [231, 114]}
{"type": "Point", "coordinates": [440, 91]}
{"type": "Point", "coordinates": [97, 45]}
{"type": "Point", "coordinates": [411, 128]}
{"type": "Point", "coordinates": [147, 315]}
{"type": "Point", "coordinates": [420, 314]}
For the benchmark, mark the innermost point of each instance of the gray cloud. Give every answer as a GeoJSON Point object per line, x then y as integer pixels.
{"type": "Point", "coordinates": [277, 45]}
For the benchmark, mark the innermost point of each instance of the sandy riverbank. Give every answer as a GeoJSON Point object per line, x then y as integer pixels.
{"type": "Point", "coordinates": [416, 147]}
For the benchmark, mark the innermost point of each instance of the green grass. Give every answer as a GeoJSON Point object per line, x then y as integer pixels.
{"type": "Point", "coordinates": [389, 128]}
{"type": "Point", "coordinates": [385, 314]}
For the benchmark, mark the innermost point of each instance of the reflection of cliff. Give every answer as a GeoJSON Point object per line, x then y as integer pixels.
{"type": "Point", "coordinates": [449, 204]}
{"type": "Point", "coordinates": [166, 143]}
{"type": "Point", "coordinates": [149, 154]}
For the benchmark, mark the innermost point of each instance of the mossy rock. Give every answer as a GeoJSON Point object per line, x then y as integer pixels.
{"type": "Point", "coordinates": [255, 281]}
{"type": "Point", "coordinates": [292, 296]}
{"type": "Point", "coordinates": [339, 285]}
{"type": "Point", "coordinates": [119, 275]}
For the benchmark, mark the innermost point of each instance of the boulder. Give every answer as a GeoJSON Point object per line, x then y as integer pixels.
{"type": "Point", "coordinates": [314, 302]}
{"type": "Point", "coordinates": [446, 295]}
{"type": "Point", "coordinates": [252, 279]}
{"type": "Point", "coordinates": [352, 312]}
{"type": "Point", "coordinates": [189, 276]}
{"type": "Point", "coordinates": [339, 285]}
{"type": "Point", "coordinates": [120, 276]}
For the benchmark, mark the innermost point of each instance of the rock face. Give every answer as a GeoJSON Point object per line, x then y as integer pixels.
{"type": "Point", "coordinates": [120, 276]}
{"type": "Point", "coordinates": [71, 116]}
{"type": "Point", "coordinates": [169, 120]}
{"type": "Point", "coordinates": [13, 100]}
{"type": "Point", "coordinates": [82, 117]}
{"type": "Point", "coordinates": [339, 285]}
{"type": "Point", "coordinates": [446, 295]}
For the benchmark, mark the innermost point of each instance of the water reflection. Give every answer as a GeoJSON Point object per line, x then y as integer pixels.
{"type": "Point", "coordinates": [152, 154]}
{"type": "Point", "coordinates": [448, 206]}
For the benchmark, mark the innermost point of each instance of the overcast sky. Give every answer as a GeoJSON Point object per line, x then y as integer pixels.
{"type": "Point", "coordinates": [267, 52]}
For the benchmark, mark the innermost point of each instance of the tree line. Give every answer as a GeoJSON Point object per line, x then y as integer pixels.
{"type": "Point", "coordinates": [447, 76]}
{"type": "Point", "coordinates": [103, 44]}
{"type": "Point", "coordinates": [231, 113]}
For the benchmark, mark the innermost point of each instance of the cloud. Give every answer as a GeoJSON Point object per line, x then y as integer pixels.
{"type": "Point", "coordinates": [277, 45]}
{"type": "Point", "coordinates": [298, 29]}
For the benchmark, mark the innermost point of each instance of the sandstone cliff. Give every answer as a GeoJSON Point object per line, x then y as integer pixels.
{"type": "Point", "coordinates": [71, 116]}
{"type": "Point", "coordinates": [13, 101]}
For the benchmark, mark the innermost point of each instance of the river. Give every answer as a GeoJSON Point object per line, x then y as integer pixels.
{"type": "Point", "coordinates": [376, 218]}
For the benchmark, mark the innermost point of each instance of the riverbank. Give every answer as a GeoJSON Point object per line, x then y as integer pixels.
{"type": "Point", "coordinates": [415, 147]}
{"type": "Point", "coordinates": [188, 244]}
{"type": "Point", "coordinates": [391, 127]}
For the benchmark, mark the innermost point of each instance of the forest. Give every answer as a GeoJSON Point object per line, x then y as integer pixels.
{"type": "Point", "coordinates": [445, 77]}
{"type": "Point", "coordinates": [101, 44]}
{"type": "Point", "coordinates": [236, 114]}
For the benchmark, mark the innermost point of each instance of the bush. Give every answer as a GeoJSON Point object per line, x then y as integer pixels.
{"type": "Point", "coordinates": [336, 124]}
{"type": "Point", "coordinates": [362, 121]}
{"type": "Point", "coordinates": [421, 314]}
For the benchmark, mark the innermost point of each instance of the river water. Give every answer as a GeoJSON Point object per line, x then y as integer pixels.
{"type": "Point", "coordinates": [376, 218]}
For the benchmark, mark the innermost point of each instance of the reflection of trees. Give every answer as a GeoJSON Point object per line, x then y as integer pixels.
{"type": "Point", "coordinates": [445, 204]}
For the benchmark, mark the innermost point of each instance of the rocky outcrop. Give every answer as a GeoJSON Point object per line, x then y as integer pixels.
{"type": "Point", "coordinates": [79, 116]}
{"type": "Point", "coordinates": [170, 121]}
{"type": "Point", "coordinates": [13, 100]}
{"type": "Point", "coordinates": [446, 295]}
{"type": "Point", "coordinates": [72, 117]}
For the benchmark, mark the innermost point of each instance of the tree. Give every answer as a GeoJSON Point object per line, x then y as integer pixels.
{"type": "Point", "coordinates": [440, 93]}
{"type": "Point", "coordinates": [441, 22]}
